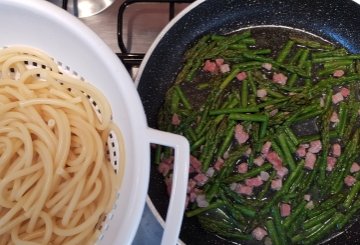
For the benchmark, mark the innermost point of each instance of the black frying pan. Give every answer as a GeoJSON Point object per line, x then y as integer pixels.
{"type": "Point", "coordinates": [335, 20]}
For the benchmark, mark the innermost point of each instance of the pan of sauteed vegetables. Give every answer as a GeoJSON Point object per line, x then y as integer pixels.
{"type": "Point", "coordinates": [268, 95]}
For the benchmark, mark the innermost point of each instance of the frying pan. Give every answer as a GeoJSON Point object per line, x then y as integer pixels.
{"type": "Point", "coordinates": [334, 20]}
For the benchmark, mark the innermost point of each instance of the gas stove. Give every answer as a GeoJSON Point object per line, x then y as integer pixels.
{"type": "Point", "coordinates": [128, 27]}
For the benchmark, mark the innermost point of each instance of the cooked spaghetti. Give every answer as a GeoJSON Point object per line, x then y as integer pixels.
{"type": "Point", "coordinates": [56, 180]}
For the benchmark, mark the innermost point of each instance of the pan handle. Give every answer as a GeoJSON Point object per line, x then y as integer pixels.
{"type": "Point", "coordinates": [176, 207]}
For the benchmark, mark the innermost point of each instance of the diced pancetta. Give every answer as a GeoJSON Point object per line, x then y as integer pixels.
{"type": "Point", "coordinates": [195, 163]}
{"type": "Point", "coordinates": [355, 167]}
{"type": "Point", "coordinates": [219, 164]}
{"type": "Point", "coordinates": [210, 66]}
{"type": "Point", "coordinates": [282, 172]}
{"type": "Point", "coordinates": [219, 61]}
{"type": "Point", "coordinates": [242, 168]}
{"type": "Point", "coordinates": [338, 73]}
{"type": "Point", "coordinates": [192, 196]}
{"type": "Point", "coordinates": [244, 189]}
{"type": "Point", "coordinates": [276, 184]}
{"type": "Point", "coordinates": [331, 161]}
{"type": "Point", "coordinates": [240, 134]}
{"type": "Point", "coordinates": [273, 112]}
{"type": "Point", "coordinates": [334, 117]}
{"type": "Point", "coordinates": [201, 201]}
{"type": "Point", "coordinates": [301, 151]}
{"type": "Point", "coordinates": [191, 185]}
{"type": "Point", "coordinates": [349, 180]}
{"type": "Point", "coordinates": [254, 182]}
{"type": "Point", "coordinates": [175, 120]}
{"type": "Point", "coordinates": [274, 159]}
{"type": "Point", "coordinates": [261, 93]}
{"type": "Point", "coordinates": [307, 197]}
{"type": "Point", "coordinates": [259, 233]}
{"type": "Point", "coordinates": [279, 78]}
{"type": "Point", "coordinates": [266, 147]}
{"type": "Point", "coordinates": [164, 168]}
{"type": "Point", "coordinates": [264, 175]}
{"type": "Point", "coordinates": [310, 159]}
{"type": "Point", "coordinates": [224, 68]}
{"type": "Point", "coordinates": [241, 76]}
{"type": "Point", "coordinates": [210, 172]}
{"type": "Point", "coordinates": [267, 66]}
{"type": "Point", "coordinates": [315, 146]}
{"type": "Point", "coordinates": [310, 205]}
{"type": "Point", "coordinates": [336, 150]}
{"type": "Point", "coordinates": [285, 209]}
{"type": "Point", "coordinates": [201, 179]}
{"type": "Point", "coordinates": [233, 186]}
{"type": "Point", "coordinates": [345, 91]}
{"type": "Point", "coordinates": [259, 161]}
{"type": "Point", "coordinates": [336, 98]}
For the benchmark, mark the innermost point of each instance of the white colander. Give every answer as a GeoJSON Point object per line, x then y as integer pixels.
{"type": "Point", "coordinates": [44, 26]}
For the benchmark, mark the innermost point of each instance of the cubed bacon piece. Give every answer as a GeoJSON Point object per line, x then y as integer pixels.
{"type": "Point", "coordinates": [261, 93]}
{"type": "Point", "coordinates": [259, 233]}
{"type": "Point", "coordinates": [201, 179]}
{"type": "Point", "coordinates": [259, 161]}
{"type": "Point", "coordinates": [273, 112]}
{"type": "Point", "coordinates": [224, 68]}
{"type": "Point", "coordinates": [310, 205]}
{"type": "Point", "coordinates": [336, 98]}
{"type": "Point", "coordinates": [282, 172]}
{"type": "Point", "coordinates": [274, 159]}
{"type": "Point", "coordinates": [345, 91]}
{"type": "Point", "coordinates": [279, 78]}
{"type": "Point", "coordinates": [219, 164]}
{"type": "Point", "coordinates": [301, 151]}
{"type": "Point", "coordinates": [254, 182]}
{"type": "Point", "coordinates": [315, 146]}
{"type": "Point", "coordinates": [175, 120]}
{"type": "Point", "coordinates": [244, 189]}
{"type": "Point", "coordinates": [240, 135]}
{"type": "Point", "coordinates": [210, 66]}
{"type": "Point", "coordinates": [264, 175]}
{"type": "Point", "coordinates": [334, 117]}
{"type": "Point", "coordinates": [307, 197]}
{"type": "Point", "coordinates": [276, 184]}
{"type": "Point", "coordinates": [219, 61]}
{"type": "Point", "coordinates": [349, 180]}
{"type": "Point", "coordinates": [338, 73]}
{"type": "Point", "coordinates": [267, 66]}
{"type": "Point", "coordinates": [201, 201]}
{"type": "Point", "coordinates": [164, 168]}
{"type": "Point", "coordinates": [210, 172]}
{"type": "Point", "coordinates": [355, 167]}
{"type": "Point", "coordinates": [285, 209]}
{"type": "Point", "coordinates": [266, 148]}
{"type": "Point", "coordinates": [233, 186]}
{"type": "Point", "coordinates": [191, 185]}
{"type": "Point", "coordinates": [241, 76]}
{"type": "Point", "coordinates": [310, 159]}
{"type": "Point", "coordinates": [192, 196]}
{"type": "Point", "coordinates": [242, 168]}
{"type": "Point", "coordinates": [336, 150]}
{"type": "Point", "coordinates": [195, 163]}
{"type": "Point", "coordinates": [331, 161]}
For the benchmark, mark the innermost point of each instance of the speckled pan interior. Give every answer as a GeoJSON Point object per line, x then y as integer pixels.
{"type": "Point", "coordinates": [335, 20]}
